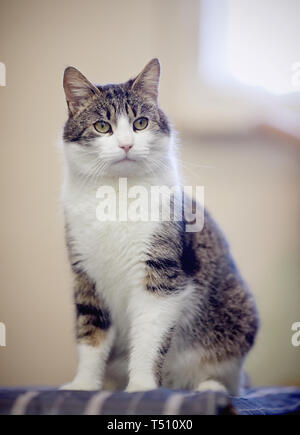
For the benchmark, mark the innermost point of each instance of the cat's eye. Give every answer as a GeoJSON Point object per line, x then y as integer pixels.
{"type": "Point", "coordinates": [140, 123]}
{"type": "Point", "coordinates": [102, 127]}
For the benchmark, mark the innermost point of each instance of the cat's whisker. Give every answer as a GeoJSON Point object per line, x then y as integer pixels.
{"type": "Point", "coordinates": [90, 172]}
{"type": "Point", "coordinates": [159, 164]}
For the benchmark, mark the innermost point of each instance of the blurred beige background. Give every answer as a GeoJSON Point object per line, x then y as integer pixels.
{"type": "Point", "coordinates": [251, 177]}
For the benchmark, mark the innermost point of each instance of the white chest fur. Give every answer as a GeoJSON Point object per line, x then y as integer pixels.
{"type": "Point", "coordinates": [112, 253]}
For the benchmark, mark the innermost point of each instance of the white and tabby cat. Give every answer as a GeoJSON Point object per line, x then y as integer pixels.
{"type": "Point", "coordinates": [156, 305]}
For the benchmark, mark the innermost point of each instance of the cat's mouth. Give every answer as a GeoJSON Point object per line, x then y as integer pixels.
{"type": "Point", "coordinates": [124, 159]}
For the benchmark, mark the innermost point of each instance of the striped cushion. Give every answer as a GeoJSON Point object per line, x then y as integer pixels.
{"type": "Point", "coordinates": [268, 401]}
{"type": "Point", "coordinates": [162, 401]}
{"type": "Point", "coordinates": [157, 402]}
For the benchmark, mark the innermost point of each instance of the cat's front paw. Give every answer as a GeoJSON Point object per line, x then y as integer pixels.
{"type": "Point", "coordinates": [212, 385]}
{"type": "Point", "coordinates": [135, 387]}
{"type": "Point", "coordinates": [78, 385]}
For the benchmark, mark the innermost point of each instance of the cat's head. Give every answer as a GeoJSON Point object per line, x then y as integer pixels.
{"type": "Point", "coordinates": [116, 130]}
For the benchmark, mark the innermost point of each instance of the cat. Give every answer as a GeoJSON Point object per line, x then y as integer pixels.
{"type": "Point", "coordinates": [156, 305]}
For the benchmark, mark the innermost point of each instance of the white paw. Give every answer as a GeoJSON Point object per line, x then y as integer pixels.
{"type": "Point", "coordinates": [211, 385]}
{"type": "Point", "coordinates": [134, 387]}
{"type": "Point", "coordinates": [77, 385]}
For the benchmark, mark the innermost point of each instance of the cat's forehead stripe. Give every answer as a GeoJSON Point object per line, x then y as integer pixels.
{"type": "Point", "coordinates": [119, 101]}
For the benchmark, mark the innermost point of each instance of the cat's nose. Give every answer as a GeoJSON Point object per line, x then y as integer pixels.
{"type": "Point", "coordinates": [126, 148]}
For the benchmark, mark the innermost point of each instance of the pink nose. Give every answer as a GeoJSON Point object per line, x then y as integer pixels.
{"type": "Point", "coordinates": [126, 148]}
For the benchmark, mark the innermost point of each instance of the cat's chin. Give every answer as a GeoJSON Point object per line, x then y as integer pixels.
{"type": "Point", "coordinates": [126, 168]}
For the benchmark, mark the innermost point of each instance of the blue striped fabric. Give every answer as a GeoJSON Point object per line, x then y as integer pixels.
{"type": "Point", "coordinates": [36, 401]}
{"type": "Point", "coordinates": [268, 401]}
{"type": "Point", "coordinates": [157, 402]}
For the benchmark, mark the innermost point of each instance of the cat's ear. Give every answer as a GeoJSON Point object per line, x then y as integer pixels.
{"type": "Point", "coordinates": [147, 82]}
{"type": "Point", "coordinates": [77, 88]}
